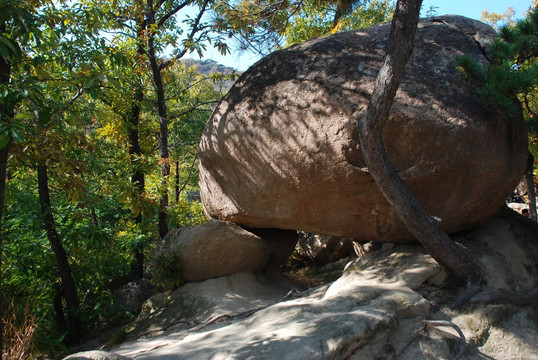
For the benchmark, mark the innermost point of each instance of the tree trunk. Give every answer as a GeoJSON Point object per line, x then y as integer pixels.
{"type": "Point", "coordinates": [59, 315]}
{"type": "Point", "coordinates": [137, 177]}
{"type": "Point", "coordinates": [177, 182]}
{"type": "Point", "coordinates": [163, 121]}
{"type": "Point", "coordinates": [74, 323]}
{"type": "Point", "coordinates": [531, 193]}
{"type": "Point", "coordinates": [4, 152]}
{"type": "Point", "coordinates": [5, 115]}
{"type": "Point", "coordinates": [451, 255]}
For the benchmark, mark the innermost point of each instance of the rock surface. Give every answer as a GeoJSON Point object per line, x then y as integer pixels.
{"type": "Point", "coordinates": [215, 249]}
{"type": "Point", "coordinates": [198, 302]}
{"type": "Point", "coordinates": [327, 323]}
{"type": "Point", "coordinates": [95, 355]}
{"type": "Point", "coordinates": [374, 311]}
{"type": "Point", "coordinates": [280, 151]}
{"type": "Point", "coordinates": [133, 295]}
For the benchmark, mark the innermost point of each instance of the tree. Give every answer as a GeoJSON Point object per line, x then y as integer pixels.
{"type": "Point", "coordinates": [193, 97]}
{"type": "Point", "coordinates": [50, 73]}
{"type": "Point", "coordinates": [16, 28]}
{"type": "Point", "coordinates": [261, 26]}
{"type": "Point", "coordinates": [90, 101]}
{"type": "Point", "coordinates": [154, 26]}
{"type": "Point", "coordinates": [137, 178]}
{"type": "Point", "coordinates": [318, 18]}
{"type": "Point", "coordinates": [512, 75]}
{"type": "Point", "coordinates": [499, 20]}
{"type": "Point", "coordinates": [69, 289]}
{"type": "Point", "coordinates": [451, 255]}
{"type": "Point", "coordinates": [127, 101]}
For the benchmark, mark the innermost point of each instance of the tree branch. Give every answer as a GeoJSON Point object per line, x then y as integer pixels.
{"type": "Point", "coordinates": [530, 298]}
{"type": "Point", "coordinates": [463, 343]}
{"type": "Point", "coordinates": [172, 12]}
{"type": "Point", "coordinates": [194, 30]}
{"type": "Point", "coordinates": [191, 109]}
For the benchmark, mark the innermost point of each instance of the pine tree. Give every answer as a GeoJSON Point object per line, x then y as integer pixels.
{"type": "Point", "coordinates": [510, 82]}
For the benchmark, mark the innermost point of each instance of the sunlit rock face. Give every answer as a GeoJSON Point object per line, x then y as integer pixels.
{"type": "Point", "coordinates": [280, 150]}
{"type": "Point", "coordinates": [214, 249]}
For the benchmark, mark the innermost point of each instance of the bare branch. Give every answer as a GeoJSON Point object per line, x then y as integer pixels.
{"type": "Point", "coordinates": [463, 343]}
{"type": "Point", "coordinates": [193, 108]}
{"type": "Point", "coordinates": [172, 12]}
{"type": "Point", "coordinates": [530, 298]}
{"type": "Point", "coordinates": [527, 106]}
{"type": "Point", "coordinates": [74, 98]}
{"type": "Point", "coordinates": [191, 168]}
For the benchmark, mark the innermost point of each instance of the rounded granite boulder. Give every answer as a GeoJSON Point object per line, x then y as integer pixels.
{"type": "Point", "coordinates": [281, 152]}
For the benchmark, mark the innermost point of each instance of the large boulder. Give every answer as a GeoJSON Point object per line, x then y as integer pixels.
{"type": "Point", "coordinates": [215, 249]}
{"type": "Point", "coordinates": [280, 150]}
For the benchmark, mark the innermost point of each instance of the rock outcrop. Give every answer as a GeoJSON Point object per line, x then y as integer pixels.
{"type": "Point", "coordinates": [374, 311]}
{"type": "Point", "coordinates": [280, 150]}
{"type": "Point", "coordinates": [215, 249]}
{"type": "Point", "coordinates": [132, 295]}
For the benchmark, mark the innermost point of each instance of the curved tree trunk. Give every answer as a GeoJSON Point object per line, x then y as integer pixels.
{"type": "Point", "coordinates": [74, 323]}
{"type": "Point", "coordinates": [451, 255]}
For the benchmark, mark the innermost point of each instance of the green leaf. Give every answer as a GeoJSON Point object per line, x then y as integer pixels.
{"type": "Point", "coordinates": [113, 81]}
{"type": "Point", "coordinates": [12, 46]}
{"type": "Point", "coordinates": [45, 115]}
{"type": "Point", "coordinates": [22, 116]}
{"type": "Point", "coordinates": [16, 135]}
{"type": "Point", "coordinates": [93, 93]}
{"type": "Point", "coordinates": [4, 138]}
{"type": "Point", "coordinates": [4, 52]}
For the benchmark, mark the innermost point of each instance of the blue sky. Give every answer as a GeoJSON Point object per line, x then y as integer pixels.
{"type": "Point", "coordinates": [469, 8]}
{"type": "Point", "coordinates": [473, 8]}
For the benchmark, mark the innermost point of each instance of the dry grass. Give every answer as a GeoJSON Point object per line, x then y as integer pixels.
{"type": "Point", "coordinates": [19, 330]}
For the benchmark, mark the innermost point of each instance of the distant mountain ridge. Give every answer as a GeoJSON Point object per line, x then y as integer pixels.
{"type": "Point", "coordinates": [209, 66]}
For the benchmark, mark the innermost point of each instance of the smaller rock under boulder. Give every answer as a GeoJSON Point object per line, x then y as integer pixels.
{"type": "Point", "coordinates": [214, 249]}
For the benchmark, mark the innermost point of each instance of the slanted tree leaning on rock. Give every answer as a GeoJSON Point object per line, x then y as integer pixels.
{"type": "Point", "coordinates": [453, 256]}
